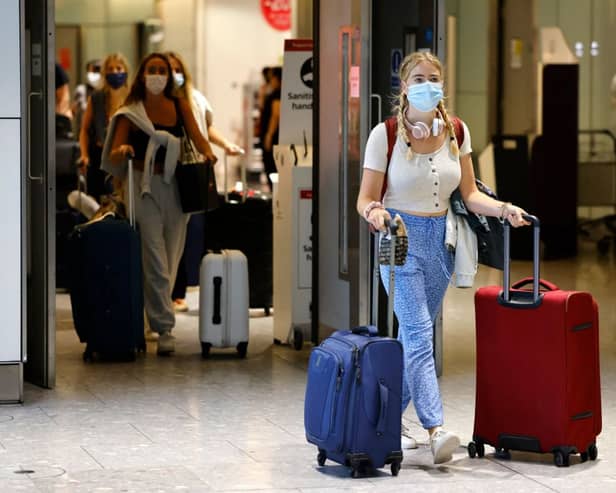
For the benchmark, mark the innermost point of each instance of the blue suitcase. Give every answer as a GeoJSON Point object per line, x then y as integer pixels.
{"type": "Point", "coordinates": [352, 408]}
{"type": "Point", "coordinates": [106, 285]}
{"type": "Point", "coordinates": [106, 289]}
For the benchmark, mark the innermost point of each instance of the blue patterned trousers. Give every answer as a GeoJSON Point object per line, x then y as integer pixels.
{"type": "Point", "coordinates": [420, 286]}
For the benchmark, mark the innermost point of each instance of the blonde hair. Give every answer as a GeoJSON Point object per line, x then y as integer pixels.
{"type": "Point", "coordinates": [123, 90]}
{"type": "Point", "coordinates": [186, 90]}
{"type": "Point", "coordinates": [401, 102]}
{"type": "Point", "coordinates": [112, 58]}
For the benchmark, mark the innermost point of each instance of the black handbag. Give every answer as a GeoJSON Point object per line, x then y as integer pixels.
{"type": "Point", "coordinates": [196, 180]}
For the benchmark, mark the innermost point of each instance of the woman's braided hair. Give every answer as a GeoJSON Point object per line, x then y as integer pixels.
{"type": "Point", "coordinates": [401, 102]}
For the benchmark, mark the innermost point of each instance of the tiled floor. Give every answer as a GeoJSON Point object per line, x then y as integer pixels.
{"type": "Point", "coordinates": [183, 424]}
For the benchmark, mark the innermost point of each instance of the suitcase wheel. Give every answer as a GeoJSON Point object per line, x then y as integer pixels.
{"type": "Point", "coordinates": [360, 468]}
{"type": "Point", "coordinates": [242, 349]}
{"type": "Point", "coordinates": [395, 468]}
{"type": "Point", "coordinates": [502, 453]}
{"type": "Point", "coordinates": [561, 459]}
{"type": "Point", "coordinates": [593, 452]}
{"type": "Point", "coordinates": [205, 349]}
{"type": "Point", "coordinates": [476, 449]}
{"type": "Point", "coordinates": [321, 457]}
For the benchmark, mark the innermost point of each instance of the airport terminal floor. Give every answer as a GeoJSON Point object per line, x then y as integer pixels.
{"type": "Point", "coordinates": [184, 424]}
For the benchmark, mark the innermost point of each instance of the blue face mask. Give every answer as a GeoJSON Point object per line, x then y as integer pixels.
{"type": "Point", "coordinates": [178, 77]}
{"type": "Point", "coordinates": [425, 96]}
{"type": "Point", "coordinates": [116, 79]}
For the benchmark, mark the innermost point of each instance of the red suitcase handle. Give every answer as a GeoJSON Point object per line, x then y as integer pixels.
{"type": "Point", "coordinates": [519, 299]}
{"type": "Point", "coordinates": [547, 285]}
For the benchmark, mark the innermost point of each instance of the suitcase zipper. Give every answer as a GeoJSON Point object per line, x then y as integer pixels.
{"type": "Point", "coordinates": [339, 376]}
{"type": "Point", "coordinates": [355, 350]}
{"type": "Point", "coordinates": [351, 394]}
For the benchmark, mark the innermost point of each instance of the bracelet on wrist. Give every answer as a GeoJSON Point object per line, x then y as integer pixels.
{"type": "Point", "coordinates": [370, 207]}
{"type": "Point", "coordinates": [503, 208]}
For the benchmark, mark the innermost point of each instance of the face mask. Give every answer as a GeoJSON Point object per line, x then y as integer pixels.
{"type": "Point", "coordinates": [94, 79]}
{"type": "Point", "coordinates": [425, 96]}
{"type": "Point", "coordinates": [178, 79]}
{"type": "Point", "coordinates": [155, 83]}
{"type": "Point", "coordinates": [116, 79]}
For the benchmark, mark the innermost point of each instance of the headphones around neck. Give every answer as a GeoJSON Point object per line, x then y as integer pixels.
{"type": "Point", "coordinates": [421, 131]}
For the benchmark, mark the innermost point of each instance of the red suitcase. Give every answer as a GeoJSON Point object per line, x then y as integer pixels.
{"type": "Point", "coordinates": [538, 384]}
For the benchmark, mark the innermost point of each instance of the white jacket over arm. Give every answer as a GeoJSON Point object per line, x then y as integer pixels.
{"type": "Point", "coordinates": [137, 115]}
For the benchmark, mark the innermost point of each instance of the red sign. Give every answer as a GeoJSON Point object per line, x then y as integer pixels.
{"type": "Point", "coordinates": [305, 194]}
{"type": "Point", "coordinates": [65, 58]}
{"type": "Point", "coordinates": [277, 13]}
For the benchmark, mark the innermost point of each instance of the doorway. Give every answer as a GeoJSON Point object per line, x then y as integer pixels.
{"type": "Point", "coordinates": [361, 43]}
{"type": "Point", "coordinates": [39, 85]}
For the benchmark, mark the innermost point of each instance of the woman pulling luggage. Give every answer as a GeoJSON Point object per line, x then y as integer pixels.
{"type": "Point", "coordinates": [148, 128]}
{"type": "Point", "coordinates": [425, 167]}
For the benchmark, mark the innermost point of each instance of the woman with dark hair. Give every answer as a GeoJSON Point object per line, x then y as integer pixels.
{"type": "Point", "coordinates": [148, 128]}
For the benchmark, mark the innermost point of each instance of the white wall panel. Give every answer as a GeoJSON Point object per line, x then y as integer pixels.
{"type": "Point", "coordinates": [237, 43]}
{"type": "Point", "coordinates": [10, 240]}
{"type": "Point", "coordinates": [10, 82]}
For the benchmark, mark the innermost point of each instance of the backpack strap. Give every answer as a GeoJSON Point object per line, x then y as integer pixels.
{"type": "Point", "coordinates": [391, 127]}
{"type": "Point", "coordinates": [458, 129]}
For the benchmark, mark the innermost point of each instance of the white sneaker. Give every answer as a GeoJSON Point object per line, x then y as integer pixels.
{"type": "Point", "coordinates": [406, 440]}
{"type": "Point", "coordinates": [443, 443]}
{"type": "Point", "coordinates": [408, 443]}
{"type": "Point", "coordinates": [166, 344]}
{"type": "Point", "coordinates": [150, 335]}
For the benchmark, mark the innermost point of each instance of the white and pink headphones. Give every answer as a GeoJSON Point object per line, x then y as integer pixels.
{"type": "Point", "coordinates": [421, 131]}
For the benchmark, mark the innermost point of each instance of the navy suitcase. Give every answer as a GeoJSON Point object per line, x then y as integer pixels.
{"type": "Point", "coordinates": [352, 409]}
{"type": "Point", "coordinates": [106, 286]}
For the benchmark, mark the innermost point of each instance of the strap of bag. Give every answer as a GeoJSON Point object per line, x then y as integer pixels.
{"type": "Point", "coordinates": [188, 154]}
{"type": "Point", "coordinates": [131, 193]}
{"type": "Point", "coordinates": [391, 127]}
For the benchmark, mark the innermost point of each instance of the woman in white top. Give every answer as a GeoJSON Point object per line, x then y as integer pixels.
{"type": "Point", "coordinates": [204, 116]}
{"type": "Point", "coordinates": [426, 166]}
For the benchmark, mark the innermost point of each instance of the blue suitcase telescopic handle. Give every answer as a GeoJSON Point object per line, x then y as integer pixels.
{"type": "Point", "coordinates": [392, 226]}
{"type": "Point", "coordinates": [506, 298]}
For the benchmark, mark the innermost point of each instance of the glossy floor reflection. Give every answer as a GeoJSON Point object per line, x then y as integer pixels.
{"type": "Point", "coordinates": [185, 424]}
